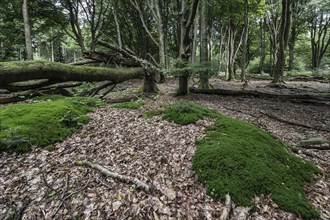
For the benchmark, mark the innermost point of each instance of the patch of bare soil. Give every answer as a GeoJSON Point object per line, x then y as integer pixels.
{"type": "Point", "coordinates": [47, 185]}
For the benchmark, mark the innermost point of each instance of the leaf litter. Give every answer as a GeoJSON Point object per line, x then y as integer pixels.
{"type": "Point", "coordinates": [152, 150]}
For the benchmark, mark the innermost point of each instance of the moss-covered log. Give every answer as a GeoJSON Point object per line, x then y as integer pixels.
{"type": "Point", "coordinates": [11, 72]}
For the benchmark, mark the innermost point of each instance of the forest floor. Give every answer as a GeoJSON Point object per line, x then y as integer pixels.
{"type": "Point", "coordinates": [159, 153]}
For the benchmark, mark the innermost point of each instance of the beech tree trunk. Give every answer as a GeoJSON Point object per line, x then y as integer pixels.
{"type": "Point", "coordinates": [204, 52]}
{"type": "Point", "coordinates": [245, 40]}
{"type": "Point", "coordinates": [27, 31]}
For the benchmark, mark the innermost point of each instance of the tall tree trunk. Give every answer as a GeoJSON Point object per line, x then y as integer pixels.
{"type": "Point", "coordinates": [284, 33]}
{"type": "Point", "coordinates": [204, 51]}
{"type": "Point", "coordinates": [119, 38]}
{"type": "Point", "coordinates": [262, 46]}
{"type": "Point", "coordinates": [292, 46]}
{"type": "Point", "coordinates": [27, 31]}
{"type": "Point", "coordinates": [231, 62]}
{"type": "Point", "coordinates": [245, 40]}
{"type": "Point", "coordinates": [162, 53]}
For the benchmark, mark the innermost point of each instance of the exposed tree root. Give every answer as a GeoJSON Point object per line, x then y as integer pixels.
{"type": "Point", "coordinates": [108, 173]}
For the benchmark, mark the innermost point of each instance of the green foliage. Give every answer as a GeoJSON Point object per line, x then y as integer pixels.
{"type": "Point", "coordinates": [129, 105]}
{"type": "Point", "coordinates": [43, 123]}
{"type": "Point", "coordinates": [184, 112]}
{"type": "Point", "coordinates": [182, 67]}
{"type": "Point", "coordinates": [241, 159]}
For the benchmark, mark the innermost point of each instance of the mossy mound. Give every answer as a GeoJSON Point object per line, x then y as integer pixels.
{"type": "Point", "coordinates": [184, 112]}
{"type": "Point", "coordinates": [42, 123]}
{"type": "Point", "coordinates": [238, 158]}
{"type": "Point", "coordinates": [129, 105]}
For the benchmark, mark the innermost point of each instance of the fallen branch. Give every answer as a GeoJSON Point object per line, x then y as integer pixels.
{"type": "Point", "coordinates": [310, 154]}
{"type": "Point", "coordinates": [99, 88]}
{"type": "Point", "coordinates": [294, 122]}
{"type": "Point", "coordinates": [226, 210]}
{"type": "Point", "coordinates": [119, 100]}
{"type": "Point", "coordinates": [108, 90]}
{"type": "Point", "coordinates": [108, 173]}
{"type": "Point", "coordinates": [311, 98]}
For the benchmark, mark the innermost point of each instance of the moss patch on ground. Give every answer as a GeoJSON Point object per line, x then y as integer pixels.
{"type": "Point", "coordinates": [42, 123]}
{"type": "Point", "coordinates": [239, 158]}
{"type": "Point", "coordinates": [129, 105]}
{"type": "Point", "coordinates": [184, 112]}
{"type": "Point", "coordinates": [152, 113]}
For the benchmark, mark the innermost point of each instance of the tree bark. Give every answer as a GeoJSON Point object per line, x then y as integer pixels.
{"type": "Point", "coordinates": [284, 33]}
{"type": "Point", "coordinates": [186, 21]}
{"type": "Point", "coordinates": [262, 46]}
{"type": "Point", "coordinates": [245, 40]}
{"type": "Point", "coordinates": [204, 52]}
{"type": "Point", "coordinates": [27, 31]}
{"type": "Point", "coordinates": [30, 70]}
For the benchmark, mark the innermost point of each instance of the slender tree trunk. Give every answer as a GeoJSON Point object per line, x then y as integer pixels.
{"type": "Point", "coordinates": [231, 63]}
{"type": "Point", "coordinates": [119, 38]}
{"type": "Point", "coordinates": [27, 31]}
{"type": "Point", "coordinates": [162, 54]}
{"type": "Point", "coordinates": [195, 40]}
{"type": "Point", "coordinates": [204, 52]}
{"type": "Point", "coordinates": [262, 46]}
{"type": "Point", "coordinates": [291, 47]}
{"type": "Point", "coordinates": [245, 40]}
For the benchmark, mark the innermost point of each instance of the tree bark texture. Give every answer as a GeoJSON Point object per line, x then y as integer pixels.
{"type": "Point", "coordinates": [27, 31]}
{"type": "Point", "coordinates": [186, 21]}
{"type": "Point", "coordinates": [204, 52]}
{"type": "Point", "coordinates": [284, 33]}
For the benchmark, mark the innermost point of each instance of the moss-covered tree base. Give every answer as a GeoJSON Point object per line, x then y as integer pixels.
{"type": "Point", "coordinates": [238, 158]}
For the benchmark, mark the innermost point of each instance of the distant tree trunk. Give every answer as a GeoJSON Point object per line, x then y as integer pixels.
{"type": "Point", "coordinates": [245, 40]}
{"type": "Point", "coordinates": [195, 39]}
{"type": "Point", "coordinates": [231, 52]}
{"type": "Point", "coordinates": [292, 45]}
{"type": "Point", "coordinates": [27, 31]}
{"type": "Point", "coordinates": [262, 46]}
{"type": "Point", "coordinates": [119, 38]}
{"type": "Point", "coordinates": [186, 21]}
{"type": "Point", "coordinates": [293, 36]}
{"type": "Point", "coordinates": [204, 51]}
{"type": "Point", "coordinates": [283, 40]}
{"type": "Point", "coordinates": [319, 30]}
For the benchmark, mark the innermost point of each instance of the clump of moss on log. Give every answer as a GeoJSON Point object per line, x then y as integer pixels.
{"type": "Point", "coordinates": [43, 122]}
{"type": "Point", "coordinates": [240, 159]}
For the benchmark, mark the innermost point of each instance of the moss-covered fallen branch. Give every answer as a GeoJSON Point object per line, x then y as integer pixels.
{"type": "Point", "coordinates": [240, 159]}
{"type": "Point", "coordinates": [30, 70]}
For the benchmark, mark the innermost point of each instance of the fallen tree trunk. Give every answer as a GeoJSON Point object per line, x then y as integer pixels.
{"type": "Point", "coordinates": [11, 72]}
{"type": "Point", "coordinates": [309, 97]}
{"type": "Point", "coordinates": [111, 59]}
